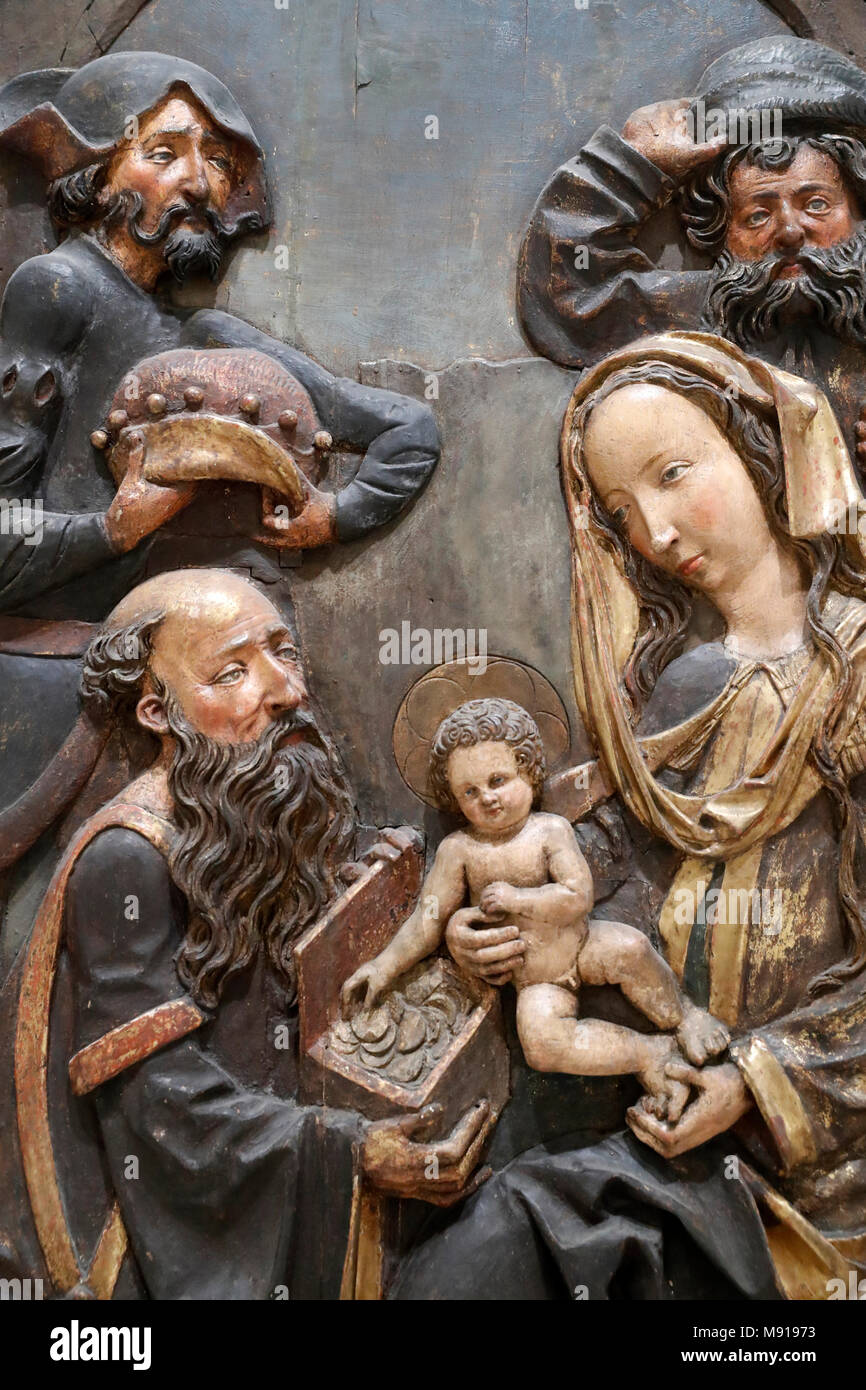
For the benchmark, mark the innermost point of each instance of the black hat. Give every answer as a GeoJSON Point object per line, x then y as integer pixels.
{"type": "Point", "coordinates": [811, 85]}
{"type": "Point", "coordinates": [66, 118]}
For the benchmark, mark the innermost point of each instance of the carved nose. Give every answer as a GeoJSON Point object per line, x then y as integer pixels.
{"type": "Point", "coordinates": [662, 539]}
{"type": "Point", "coordinates": [194, 182]}
{"type": "Point", "coordinates": [287, 691]}
{"type": "Point", "coordinates": [790, 236]}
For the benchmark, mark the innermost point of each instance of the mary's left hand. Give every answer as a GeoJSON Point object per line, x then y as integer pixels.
{"type": "Point", "coordinates": [723, 1099]}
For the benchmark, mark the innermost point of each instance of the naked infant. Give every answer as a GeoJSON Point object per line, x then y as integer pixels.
{"type": "Point", "coordinates": [515, 863]}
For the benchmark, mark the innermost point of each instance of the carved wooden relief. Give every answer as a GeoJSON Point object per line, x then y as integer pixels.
{"type": "Point", "coordinates": [432, 838]}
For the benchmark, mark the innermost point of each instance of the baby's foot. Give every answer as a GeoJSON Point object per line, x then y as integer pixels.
{"type": "Point", "coordinates": [668, 1102]}
{"type": "Point", "coordinates": [701, 1036]}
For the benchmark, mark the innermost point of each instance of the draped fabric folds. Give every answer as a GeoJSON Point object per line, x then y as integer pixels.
{"type": "Point", "coordinates": [729, 818]}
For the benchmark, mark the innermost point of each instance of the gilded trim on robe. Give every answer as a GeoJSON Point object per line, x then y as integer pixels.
{"type": "Point", "coordinates": [777, 1101]}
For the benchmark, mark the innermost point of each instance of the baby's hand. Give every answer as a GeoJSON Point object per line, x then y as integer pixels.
{"type": "Point", "coordinates": [497, 899]}
{"type": "Point", "coordinates": [701, 1036]}
{"type": "Point", "coordinates": [469, 917]}
{"type": "Point", "coordinates": [665, 1098]}
{"type": "Point", "coordinates": [362, 989]}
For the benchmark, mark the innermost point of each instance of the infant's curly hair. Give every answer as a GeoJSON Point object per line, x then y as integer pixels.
{"type": "Point", "coordinates": [486, 721]}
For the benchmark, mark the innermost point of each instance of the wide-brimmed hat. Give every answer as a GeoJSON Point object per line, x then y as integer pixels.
{"type": "Point", "coordinates": [812, 85]}
{"type": "Point", "coordinates": [66, 118]}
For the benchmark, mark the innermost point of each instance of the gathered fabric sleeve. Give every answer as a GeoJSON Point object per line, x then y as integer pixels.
{"type": "Point", "coordinates": [44, 314]}
{"type": "Point", "coordinates": [584, 287]}
{"type": "Point", "coordinates": [807, 1074]}
{"type": "Point", "coordinates": [398, 434]}
{"type": "Point", "coordinates": [62, 547]}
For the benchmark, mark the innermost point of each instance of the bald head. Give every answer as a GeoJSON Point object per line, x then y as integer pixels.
{"type": "Point", "coordinates": [186, 596]}
{"type": "Point", "coordinates": [219, 646]}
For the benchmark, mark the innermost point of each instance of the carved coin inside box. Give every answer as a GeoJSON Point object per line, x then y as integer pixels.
{"type": "Point", "coordinates": [435, 1038]}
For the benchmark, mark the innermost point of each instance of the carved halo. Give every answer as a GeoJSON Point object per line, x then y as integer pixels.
{"type": "Point", "coordinates": [439, 692]}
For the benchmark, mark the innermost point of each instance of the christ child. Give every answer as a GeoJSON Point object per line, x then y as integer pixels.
{"type": "Point", "coordinates": [513, 862]}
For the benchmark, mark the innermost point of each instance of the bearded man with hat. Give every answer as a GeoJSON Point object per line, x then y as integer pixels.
{"type": "Point", "coordinates": [766, 162]}
{"type": "Point", "coordinates": [154, 172]}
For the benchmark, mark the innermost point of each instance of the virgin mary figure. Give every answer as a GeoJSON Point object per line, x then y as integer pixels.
{"type": "Point", "coordinates": [730, 784]}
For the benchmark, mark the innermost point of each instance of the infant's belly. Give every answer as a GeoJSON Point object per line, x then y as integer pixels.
{"type": "Point", "coordinates": [550, 952]}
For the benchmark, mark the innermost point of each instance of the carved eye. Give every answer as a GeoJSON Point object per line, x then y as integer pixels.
{"type": "Point", "coordinates": [230, 676]}
{"type": "Point", "coordinates": [674, 471]}
{"type": "Point", "coordinates": [44, 388]}
{"type": "Point", "coordinates": [9, 380]}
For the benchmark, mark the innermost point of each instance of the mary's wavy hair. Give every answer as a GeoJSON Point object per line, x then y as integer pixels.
{"type": "Point", "coordinates": [666, 605]}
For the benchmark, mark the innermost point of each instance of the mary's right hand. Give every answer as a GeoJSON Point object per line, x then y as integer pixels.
{"type": "Point", "coordinates": [491, 953]}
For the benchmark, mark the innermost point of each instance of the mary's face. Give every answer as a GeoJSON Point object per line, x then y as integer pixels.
{"type": "Point", "coordinates": [675, 486]}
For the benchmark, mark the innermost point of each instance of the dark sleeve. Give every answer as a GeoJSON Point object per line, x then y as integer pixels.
{"type": "Point", "coordinates": [399, 434]}
{"type": "Point", "coordinates": [51, 549]}
{"type": "Point", "coordinates": [584, 287]}
{"type": "Point", "coordinates": [226, 1178]}
{"type": "Point", "coordinates": [46, 308]}
{"type": "Point", "coordinates": [606, 845]}
{"type": "Point", "coordinates": [44, 314]}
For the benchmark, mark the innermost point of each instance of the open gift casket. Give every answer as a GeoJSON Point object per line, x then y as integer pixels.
{"type": "Point", "coordinates": [439, 1041]}
{"type": "Point", "coordinates": [469, 1064]}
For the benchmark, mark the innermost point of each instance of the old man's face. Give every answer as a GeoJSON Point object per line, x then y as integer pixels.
{"type": "Point", "coordinates": [231, 664]}
{"type": "Point", "coordinates": [794, 251]}
{"type": "Point", "coordinates": [260, 804]}
{"type": "Point", "coordinates": [780, 211]}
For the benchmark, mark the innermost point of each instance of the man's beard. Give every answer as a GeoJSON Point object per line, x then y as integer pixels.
{"type": "Point", "coordinates": [746, 304]}
{"type": "Point", "coordinates": [261, 829]}
{"type": "Point", "coordinates": [186, 252]}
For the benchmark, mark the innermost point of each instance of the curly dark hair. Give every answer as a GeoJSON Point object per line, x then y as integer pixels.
{"type": "Point", "coordinates": [665, 604]}
{"type": "Point", "coordinates": [486, 721]}
{"type": "Point", "coordinates": [115, 665]}
{"type": "Point", "coordinates": [705, 200]}
{"type": "Point", "coordinates": [73, 199]}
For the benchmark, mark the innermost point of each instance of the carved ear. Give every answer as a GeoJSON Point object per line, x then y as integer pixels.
{"type": "Point", "coordinates": [150, 712]}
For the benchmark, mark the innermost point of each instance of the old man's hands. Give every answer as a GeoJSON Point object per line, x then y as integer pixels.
{"type": "Point", "coordinates": [400, 1162]}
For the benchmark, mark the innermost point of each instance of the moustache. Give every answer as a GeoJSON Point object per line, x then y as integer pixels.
{"type": "Point", "coordinates": [746, 299]}
{"type": "Point", "coordinates": [179, 212]}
